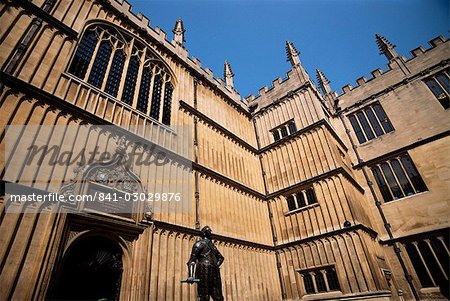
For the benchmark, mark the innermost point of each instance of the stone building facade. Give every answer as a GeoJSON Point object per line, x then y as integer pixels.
{"type": "Point", "coordinates": [311, 194]}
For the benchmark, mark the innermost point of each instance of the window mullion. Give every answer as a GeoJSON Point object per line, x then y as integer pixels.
{"type": "Point", "coordinates": [369, 123]}
{"type": "Point", "coordinates": [441, 239]}
{"type": "Point", "coordinates": [324, 274]}
{"type": "Point", "coordinates": [161, 99]}
{"type": "Point", "coordinates": [424, 263]}
{"type": "Point", "coordinates": [427, 241]}
{"type": "Point", "coordinates": [94, 55]}
{"type": "Point", "coordinates": [406, 174]}
{"type": "Point", "coordinates": [377, 118]}
{"type": "Point", "coordinates": [108, 68]}
{"type": "Point", "coordinates": [296, 200]}
{"type": "Point", "coordinates": [150, 92]}
{"type": "Point", "coordinates": [125, 68]}
{"type": "Point", "coordinates": [313, 280]}
{"type": "Point", "coordinates": [361, 127]}
{"type": "Point", "coordinates": [396, 178]}
{"type": "Point", "coordinates": [440, 85]}
{"type": "Point", "coordinates": [139, 78]}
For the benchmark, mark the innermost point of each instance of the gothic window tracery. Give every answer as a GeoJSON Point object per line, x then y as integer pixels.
{"type": "Point", "coordinates": [126, 68]}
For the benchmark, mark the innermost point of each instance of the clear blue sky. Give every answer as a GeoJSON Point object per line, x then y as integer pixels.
{"type": "Point", "coordinates": [335, 36]}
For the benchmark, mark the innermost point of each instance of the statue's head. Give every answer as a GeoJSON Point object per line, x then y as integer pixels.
{"type": "Point", "coordinates": [206, 232]}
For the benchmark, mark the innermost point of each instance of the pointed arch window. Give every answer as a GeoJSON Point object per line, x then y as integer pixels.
{"type": "Point", "coordinates": [125, 67]}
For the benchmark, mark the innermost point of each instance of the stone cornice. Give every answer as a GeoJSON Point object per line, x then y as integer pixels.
{"type": "Point", "coordinates": [402, 150]}
{"type": "Point", "coordinates": [191, 110]}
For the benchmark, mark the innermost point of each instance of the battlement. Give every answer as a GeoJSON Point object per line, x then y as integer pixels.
{"type": "Point", "coordinates": [174, 49]}
{"type": "Point", "coordinates": [418, 52]}
{"type": "Point", "coordinates": [279, 88]}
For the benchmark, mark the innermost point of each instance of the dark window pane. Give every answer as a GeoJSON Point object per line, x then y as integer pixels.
{"type": "Point", "coordinates": [130, 80]}
{"type": "Point", "coordinates": [156, 97]}
{"type": "Point", "coordinates": [310, 195]}
{"type": "Point", "coordinates": [284, 131]}
{"type": "Point", "coordinates": [374, 122]}
{"type": "Point", "coordinates": [421, 272]}
{"type": "Point", "coordinates": [167, 105]}
{"type": "Point", "coordinates": [365, 125]}
{"type": "Point", "coordinates": [383, 118]}
{"type": "Point", "coordinates": [100, 64]}
{"type": "Point", "coordinates": [406, 186]}
{"type": "Point", "coordinates": [276, 135]}
{"type": "Point", "coordinates": [308, 282]}
{"type": "Point", "coordinates": [82, 58]}
{"type": "Point", "coordinates": [300, 199]}
{"type": "Point", "coordinates": [413, 174]}
{"type": "Point", "coordinates": [291, 203]}
{"type": "Point", "coordinates": [444, 81]}
{"type": "Point", "coordinates": [391, 181]}
{"type": "Point", "coordinates": [357, 129]}
{"type": "Point", "coordinates": [320, 282]}
{"type": "Point", "coordinates": [381, 184]}
{"type": "Point", "coordinates": [115, 73]}
{"type": "Point", "coordinates": [431, 263]}
{"type": "Point", "coordinates": [332, 279]}
{"type": "Point", "coordinates": [143, 97]}
{"type": "Point", "coordinates": [292, 128]}
{"type": "Point", "coordinates": [435, 88]}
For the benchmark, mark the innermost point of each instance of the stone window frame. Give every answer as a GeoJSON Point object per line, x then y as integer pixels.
{"type": "Point", "coordinates": [129, 43]}
{"type": "Point", "coordinates": [395, 175]}
{"type": "Point", "coordinates": [287, 127]}
{"type": "Point", "coordinates": [440, 90]}
{"type": "Point", "coordinates": [425, 265]}
{"type": "Point", "coordinates": [324, 269]}
{"type": "Point", "coordinates": [368, 123]}
{"type": "Point", "coordinates": [295, 199]}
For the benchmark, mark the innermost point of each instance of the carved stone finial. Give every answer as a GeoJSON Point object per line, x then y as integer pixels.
{"type": "Point", "coordinates": [386, 47]}
{"type": "Point", "coordinates": [228, 75]}
{"type": "Point", "coordinates": [324, 83]}
{"type": "Point", "coordinates": [178, 31]}
{"type": "Point", "coordinates": [292, 54]}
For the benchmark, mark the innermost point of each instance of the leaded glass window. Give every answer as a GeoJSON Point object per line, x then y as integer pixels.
{"type": "Point", "coordinates": [439, 84]}
{"type": "Point", "coordinates": [100, 64]}
{"type": "Point", "coordinates": [319, 280]}
{"type": "Point", "coordinates": [82, 58]}
{"type": "Point", "coordinates": [124, 66]}
{"type": "Point", "coordinates": [301, 199]}
{"type": "Point", "coordinates": [144, 90]}
{"type": "Point", "coordinates": [398, 178]}
{"type": "Point", "coordinates": [370, 123]}
{"type": "Point", "coordinates": [167, 106]}
{"type": "Point", "coordinates": [130, 80]}
{"type": "Point", "coordinates": [156, 98]}
{"type": "Point", "coordinates": [115, 73]}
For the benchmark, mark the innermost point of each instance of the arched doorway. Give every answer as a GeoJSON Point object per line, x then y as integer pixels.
{"type": "Point", "coordinates": [91, 270]}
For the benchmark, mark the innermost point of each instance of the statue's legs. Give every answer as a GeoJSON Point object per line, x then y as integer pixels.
{"type": "Point", "coordinates": [203, 272]}
{"type": "Point", "coordinates": [216, 292]}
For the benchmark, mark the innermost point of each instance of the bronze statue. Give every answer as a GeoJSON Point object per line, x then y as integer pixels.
{"type": "Point", "coordinates": [206, 260]}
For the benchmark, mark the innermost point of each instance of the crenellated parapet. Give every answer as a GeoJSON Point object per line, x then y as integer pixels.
{"type": "Point", "coordinates": [399, 70]}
